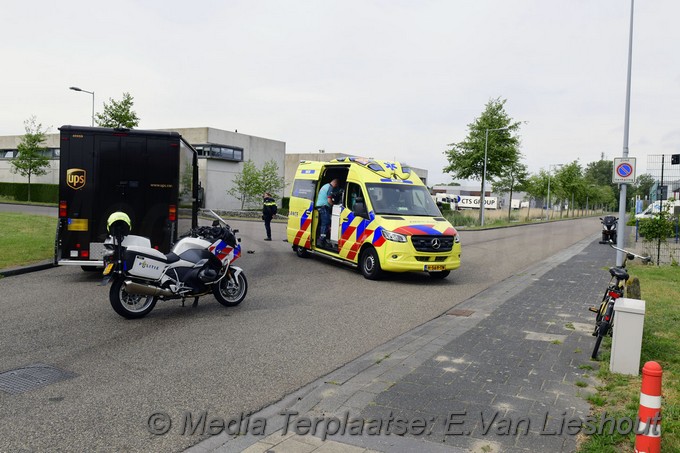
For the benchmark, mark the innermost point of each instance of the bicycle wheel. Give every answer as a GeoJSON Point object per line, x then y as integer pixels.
{"type": "Point", "coordinates": [604, 328]}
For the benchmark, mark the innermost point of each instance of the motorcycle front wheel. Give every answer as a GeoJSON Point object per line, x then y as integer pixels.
{"type": "Point", "coordinates": [130, 306]}
{"type": "Point", "coordinates": [230, 291]}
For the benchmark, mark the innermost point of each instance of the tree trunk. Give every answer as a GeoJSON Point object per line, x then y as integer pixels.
{"type": "Point", "coordinates": [528, 209]}
{"type": "Point", "coordinates": [510, 206]}
{"type": "Point", "coordinates": [29, 187]}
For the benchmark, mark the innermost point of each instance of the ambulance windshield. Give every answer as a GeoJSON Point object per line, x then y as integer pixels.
{"type": "Point", "coordinates": [401, 199]}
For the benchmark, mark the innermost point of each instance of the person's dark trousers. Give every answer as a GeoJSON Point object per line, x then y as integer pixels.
{"type": "Point", "coordinates": [268, 226]}
{"type": "Point", "coordinates": [325, 217]}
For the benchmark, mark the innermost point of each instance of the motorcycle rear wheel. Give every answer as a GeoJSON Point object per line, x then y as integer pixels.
{"type": "Point", "coordinates": [130, 306]}
{"type": "Point", "coordinates": [231, 291]}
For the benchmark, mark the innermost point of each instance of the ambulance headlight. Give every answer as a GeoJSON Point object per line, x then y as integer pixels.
{"type": "Point", "coordinates": [456, 238]}
{"type": "Point", "coordinates": [392, 236]}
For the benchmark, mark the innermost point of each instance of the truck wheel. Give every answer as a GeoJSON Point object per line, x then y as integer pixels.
{"type": "Point", "coordinates": [130, 306]}
{"type": "Point", "coordinates": [441, 275]}
{"type": "Point", "coordinates": [231, 291]}
{"type": "Point", "coordinates": [301, 251]}
{"type": "Point", "coordinates": [370, 264]}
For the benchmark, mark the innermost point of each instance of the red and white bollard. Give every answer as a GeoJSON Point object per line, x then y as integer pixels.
{"type": "Point", "coordinates": [649, 416]}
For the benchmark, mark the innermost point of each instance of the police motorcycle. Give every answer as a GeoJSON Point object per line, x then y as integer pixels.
{"type": "Point", "coordinates": [609, 223]}
{"type": "Point", "coordinates": [198, 264]}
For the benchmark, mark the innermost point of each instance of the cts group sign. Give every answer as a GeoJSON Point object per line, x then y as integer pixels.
{"type": "Point", "coordinates": [467, 201]}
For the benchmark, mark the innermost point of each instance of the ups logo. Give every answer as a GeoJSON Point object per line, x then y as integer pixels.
{"type": "Point", "coordinates": [75, 178]}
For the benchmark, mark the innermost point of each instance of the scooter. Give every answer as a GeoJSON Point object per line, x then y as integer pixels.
{"type": "Point", "coordinates": [198, 264]}
{"type": "Point", "coordinates": [609, 223]}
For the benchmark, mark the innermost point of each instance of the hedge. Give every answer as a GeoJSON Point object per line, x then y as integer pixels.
{"type": "Point", "coordinates": [43, 193]}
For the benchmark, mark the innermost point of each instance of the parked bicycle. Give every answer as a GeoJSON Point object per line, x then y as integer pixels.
{"type": "Point", "coordinates": [604, 320]}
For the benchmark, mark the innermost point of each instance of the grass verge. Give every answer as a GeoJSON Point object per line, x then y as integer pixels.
{"type": "Point", "coordinates": [25, 238]}
{"type": "Point", "coordinates": [619, 395]}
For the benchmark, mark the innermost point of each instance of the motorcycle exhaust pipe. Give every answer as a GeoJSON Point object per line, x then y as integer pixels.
{"type": "Point", "coordinates": [145, 290]}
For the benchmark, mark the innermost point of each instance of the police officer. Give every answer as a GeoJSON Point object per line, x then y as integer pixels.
{"type": "Point", "coordinates": [268, 212]}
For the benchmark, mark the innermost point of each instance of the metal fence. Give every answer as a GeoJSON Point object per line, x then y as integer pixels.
{"type": "Point", "coordinates": [667, 185]}
{"type": "Point", "coordinates": [662, 252]}
{"type": "Point", "coordinates": [666, 177]}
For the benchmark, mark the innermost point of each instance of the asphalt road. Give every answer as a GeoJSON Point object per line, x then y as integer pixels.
{"type": "Point", "coordinates": [301, 319]}
{"type": "Point", "coordinates": [29, 209]}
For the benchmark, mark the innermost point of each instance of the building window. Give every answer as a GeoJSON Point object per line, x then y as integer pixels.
{"type": "Point", "coordinates": [220, 152]}
{"type": "Point", "coordinates": [50, 153]}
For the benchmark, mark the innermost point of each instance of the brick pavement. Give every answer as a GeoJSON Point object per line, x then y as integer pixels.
{"type": "Point", "coordinates": [502, 372]}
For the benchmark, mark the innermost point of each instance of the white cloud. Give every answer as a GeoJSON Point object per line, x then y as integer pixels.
{"type": "Point", "coordinates": [394, 79]}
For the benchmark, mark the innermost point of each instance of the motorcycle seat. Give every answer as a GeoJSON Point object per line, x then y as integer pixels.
{"type": "Point", "coordinates": [155, 254]}
{"type": "Point", "coordinates": [171, 258]}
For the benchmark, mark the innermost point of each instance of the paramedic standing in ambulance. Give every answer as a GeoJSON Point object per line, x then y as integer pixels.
{"type": "Point", "coordinates": [324, 203]}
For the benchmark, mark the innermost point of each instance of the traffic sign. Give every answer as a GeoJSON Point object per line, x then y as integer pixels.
{"type": "Point", "coordinates": [624, 170]}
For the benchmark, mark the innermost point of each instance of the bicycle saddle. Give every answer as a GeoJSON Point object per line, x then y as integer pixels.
{"type": "Point", "coordinates": [618, 273]}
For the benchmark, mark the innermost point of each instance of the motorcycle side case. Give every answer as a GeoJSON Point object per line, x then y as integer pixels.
{"type": "Point", "coordinates": [145, 262]}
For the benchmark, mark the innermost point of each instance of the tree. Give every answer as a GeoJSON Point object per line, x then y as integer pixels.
{"type": "Point", "coordinates": [466, 158]}
{"type": "Point", "coordinates": [118, 114]}
{"type": "Point", "coordinates": [537, 187]}
{"type": "Point", "coordinates": [247, 186]}
{"type": "Point", "coordinates": [31, 159]}
{"type": "Point", "coordinates": [514, 178]}
{"type": "Point", "coordinates": [569, 183]}
{"type": "Point", "coordinates": [601, 172]}
{"type": "Point", "coordinates": [643, 185]}
{"type": "Point", "coordinates": [270, 180]}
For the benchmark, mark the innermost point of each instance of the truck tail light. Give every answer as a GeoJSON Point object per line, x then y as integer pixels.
{"type": "Point", "coordinates": [172, 212]}
{"type": "Point", "coordinates": [85, 254]}
{"type": "Point", "coordinates": [62, 209]}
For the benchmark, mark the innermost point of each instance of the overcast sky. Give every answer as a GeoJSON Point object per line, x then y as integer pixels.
{"type": "Point", "coordinates": [386, 79]}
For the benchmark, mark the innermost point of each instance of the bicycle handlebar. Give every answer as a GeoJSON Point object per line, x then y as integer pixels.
{"type": "Point", "coordinates": [644, 259]}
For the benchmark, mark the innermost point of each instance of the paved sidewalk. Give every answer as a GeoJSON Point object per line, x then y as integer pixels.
{"type": "Point", "coordinates": [502, 372]}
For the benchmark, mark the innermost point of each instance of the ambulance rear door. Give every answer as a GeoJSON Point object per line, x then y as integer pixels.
{"type": "Point", "coordinates": [301, 218]}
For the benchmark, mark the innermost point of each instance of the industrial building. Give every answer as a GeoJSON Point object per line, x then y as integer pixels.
{"type": "Point", "coordinates": [221, 155]}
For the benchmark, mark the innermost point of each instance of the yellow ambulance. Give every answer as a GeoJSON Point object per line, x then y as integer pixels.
{"type": "Point", "coordinates": [382, 218]}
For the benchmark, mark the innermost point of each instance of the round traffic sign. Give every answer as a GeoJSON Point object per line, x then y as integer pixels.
{"type": "Point", "coordinates": [624, 169]}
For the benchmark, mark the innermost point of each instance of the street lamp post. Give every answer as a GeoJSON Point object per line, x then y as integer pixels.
{"type": "Point", "coordinates": [486, 148]}
{"type": "Point", "coordinates": [620, 238]}
{"type": "Point", "coordinates": [85, 91]}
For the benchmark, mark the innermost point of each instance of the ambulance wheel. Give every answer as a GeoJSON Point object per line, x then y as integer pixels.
{"type": "Point", "coordinates": [441, 275]}
{"type": "Point", "coordinates": [301, 251]}
{"type": "Point", "coordinates": [370, 264]}
{"type": "Point", "coordinates": [130, 306]}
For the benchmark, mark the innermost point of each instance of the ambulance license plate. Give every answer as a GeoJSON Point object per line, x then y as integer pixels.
{"type": "Point", "coordinates": [107, 269]}
{"type": "Point", "coordinates": [434, 267]}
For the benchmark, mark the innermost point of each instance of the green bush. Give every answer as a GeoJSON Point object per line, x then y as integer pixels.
{"type": "Point", "coordinates": [457, 219]}
{"type": "Point", "coordinates": [43, 193]}
{"type": "Point", "coordinates": [659, 227]}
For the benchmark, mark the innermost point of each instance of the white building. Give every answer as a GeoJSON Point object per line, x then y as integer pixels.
{"type": "Point", "coordinates": [220, 157]}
